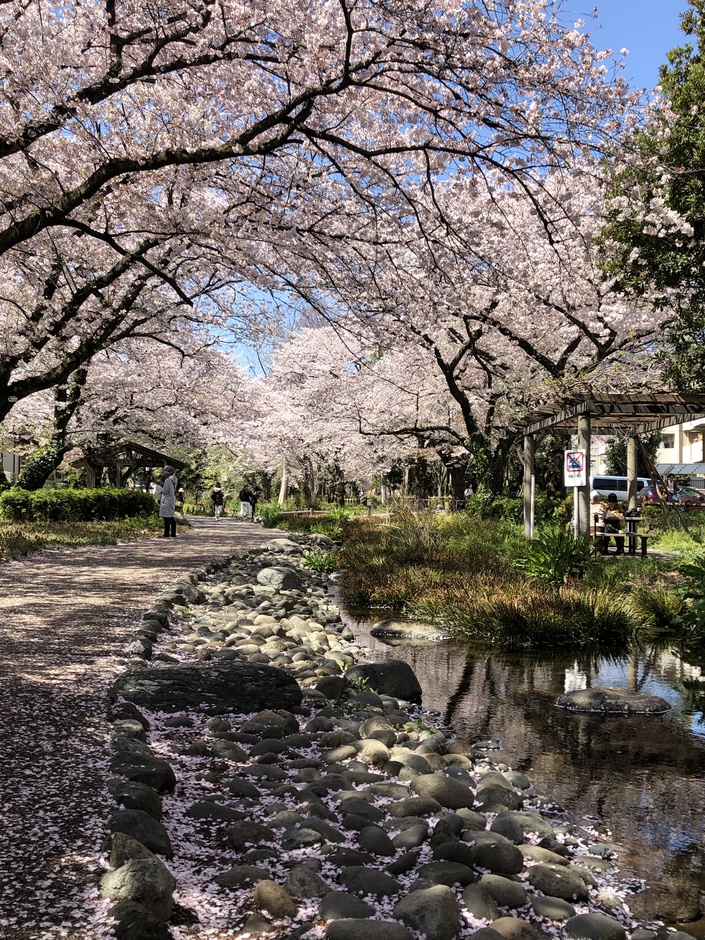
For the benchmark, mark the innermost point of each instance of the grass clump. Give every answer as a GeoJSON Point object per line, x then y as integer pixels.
{"type": "Point", "coordinates": [20, 539]}
{"type": "Point", "coordinates": [323, 562]}
{"type": "Point", "coordinates": [483, 581]}
{"type": "Point", "coordinates": [555, 556]}
{"type": "Point", "coordinates": [534, 618]}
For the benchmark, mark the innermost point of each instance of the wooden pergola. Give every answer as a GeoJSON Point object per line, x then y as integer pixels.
{"type": "Point", "coordinates": [121, 461]}
{"type": "Point", "coordinates": [629, 414]}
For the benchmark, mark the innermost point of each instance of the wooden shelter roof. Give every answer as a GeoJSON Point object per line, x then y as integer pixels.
{"type": "Point", "coordinates": [127, 453]}
{"type": "Point", "coordinates": [631, 414]}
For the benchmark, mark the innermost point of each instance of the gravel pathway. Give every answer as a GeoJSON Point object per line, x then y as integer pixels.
{"type": "Point", "coordinates": [65, 619]}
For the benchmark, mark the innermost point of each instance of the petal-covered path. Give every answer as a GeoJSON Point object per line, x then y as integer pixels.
{"type": "Point", "coordinates": [65, 619]}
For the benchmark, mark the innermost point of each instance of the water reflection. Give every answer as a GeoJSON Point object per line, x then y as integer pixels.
{"type": "Point", "coordinates": [640, 779]}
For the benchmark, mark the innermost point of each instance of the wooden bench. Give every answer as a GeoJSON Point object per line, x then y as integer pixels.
{"type": "Point", "coordinates": [620, 538]}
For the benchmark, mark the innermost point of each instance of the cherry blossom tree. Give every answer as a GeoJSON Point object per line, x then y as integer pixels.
{"type": "Point", "coordinates": [140, 391]}
{"type": "Point", "coordinates": [501, 312]}
{"type": "Point", "coordinates": [160, 163]}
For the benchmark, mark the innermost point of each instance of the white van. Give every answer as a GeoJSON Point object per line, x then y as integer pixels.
{"type": "Point", "coordinates": [617, 485]}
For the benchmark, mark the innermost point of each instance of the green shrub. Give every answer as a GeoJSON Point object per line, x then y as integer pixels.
{"type": "Point", "coordinates": [271, 514]}
{"type": "Point", "coordinates": [321, 561]}
{"type": "Point", "coordinates": [693, 594]}
{"type": "Point", "coordinates": [55, 505]}
{"type": "Point", "coordinates": [555, 556]}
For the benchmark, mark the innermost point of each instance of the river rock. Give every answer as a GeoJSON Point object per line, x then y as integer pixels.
{"type": "Point", "coordinates": [410, 630]}
{"type": "Point", "coordinates": [361, 880]}
{"type": "Point", "coordinates": [392, 677]}
{"type": "Point", "coordinates": [303, 883]}
{"type": "Point", "coordinates": [357, 929]}
{"type": "Point", "coordinates": [375, 840]}
{"type": "Point", "coordinates": [448, 792]}
{"type": "Point", "coordinates": [339, 905]}
{"type": "Point", "coordinates": [480, 903]}
{"type": "Point", "coordinates": [219, 687]}
{"type": "Point", "coordinates": [275, 900]}
{"type": "Point", "coordinates": [144, 881]}
{"type": "Point", "coordinates": [285, 546]}
{"type": "Point", "coordinates": [241, 875]}
{"type": "Point", "coordinates": [595, 927]}
{"type": "Point", "coordinates": [144, 828]}
{"type": "Point", "coordinates": [504, 892]}
{"type": "Point", "coordinates": [432, 911]}
{"type": "Point", "coordinates": [129, 794]}
{"type": "Point", "coordinates": [447, 873]}
{"type": "Point", "coordinates": [514, 928]}
{"type": "Point", "coordinates": [558, 882]}
{"type": "Point", "coordinates": [141, 768]}
{"type": "Point", "coordinates": [279, 577]}
{"type": "Point", "coordinates": [621, 701]}
{"type": "Point", "coordinates": [515, 825]}
{"type": "Point", "coordinates": [132, 921]}
{"type": "Point", "coordinates": [552, 908]}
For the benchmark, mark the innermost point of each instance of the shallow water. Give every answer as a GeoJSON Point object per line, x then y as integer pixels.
{"type": "Point", "coordinates": [641, 779]}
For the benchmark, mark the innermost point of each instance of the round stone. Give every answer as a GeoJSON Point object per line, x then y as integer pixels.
{"type": "Point", "coordinates": [595, 927]}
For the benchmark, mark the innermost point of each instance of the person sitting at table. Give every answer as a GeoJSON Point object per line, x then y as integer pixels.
{"type": "Point", "coordinates": [598, 511]}
{"type": "Point", "coordinates": [614, 517]}
{"type": "Point", "coordinates": [613, 511]}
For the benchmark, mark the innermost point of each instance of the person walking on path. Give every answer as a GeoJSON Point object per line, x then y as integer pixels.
{"type": "Point", "coordinates": [218, 499]}
{"type": "Point", "coordinates": [245, 497]}
{"type": "Point", "coordinates": [167, 504]}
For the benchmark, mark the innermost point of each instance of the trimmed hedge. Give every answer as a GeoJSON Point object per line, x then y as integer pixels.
{"type": "Point", "coordinates": [57, 505]}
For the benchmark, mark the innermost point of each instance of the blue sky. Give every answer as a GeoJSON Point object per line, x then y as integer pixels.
{"type": "Point", "coordinates": [647, 28]}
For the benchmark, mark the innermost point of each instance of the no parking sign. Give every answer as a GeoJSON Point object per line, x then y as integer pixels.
{"type": "Point", "coordinates": [574, 468]}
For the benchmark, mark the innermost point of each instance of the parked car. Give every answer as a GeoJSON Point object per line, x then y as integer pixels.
{"type": "Point", "coordinates": [687, 497]}
{"type": "Point", "coordinates": [618, 485]}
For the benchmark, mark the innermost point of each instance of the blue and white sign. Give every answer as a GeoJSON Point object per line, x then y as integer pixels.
{"type": "Point", "coordinates": [575, 469]}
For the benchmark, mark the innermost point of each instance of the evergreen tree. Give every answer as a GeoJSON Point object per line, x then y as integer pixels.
{"type": "Point", "coordinates": [656, 235]}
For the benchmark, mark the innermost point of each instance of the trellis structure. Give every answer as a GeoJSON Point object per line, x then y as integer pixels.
{"type": "Point", "coordinates": [629, 414]}
{"type": "Point", "coordinates": [121, 462]}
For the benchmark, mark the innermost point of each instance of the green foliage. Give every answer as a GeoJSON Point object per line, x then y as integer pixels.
{"type": "Point", "coordinates": [693, 593]}
{"type": "Point", "coordinates": [39, 466]}
{"type": "Point", "coordinates": [616, 454]}
{"type": "Point", "coordinates": [323, 562]}
{"type": "Point", "coordinates": [53, 505]}
{"type": "Point", "coordinates": [271, 514]}
{"type": "Point", "coordinates": [665, 170]}
{"type": "Point", "coordinates": [555, 556]}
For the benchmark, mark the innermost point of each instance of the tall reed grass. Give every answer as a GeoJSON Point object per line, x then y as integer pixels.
{"type": "Point", "coordinates": [461, 571]}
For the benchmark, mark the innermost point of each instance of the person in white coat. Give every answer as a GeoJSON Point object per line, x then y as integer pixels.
{"type": "Point", "coordinates": [167, 503]}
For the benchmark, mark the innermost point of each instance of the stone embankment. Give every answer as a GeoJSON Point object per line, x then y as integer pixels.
{"type": "Point", "coordinates": [271, 783]}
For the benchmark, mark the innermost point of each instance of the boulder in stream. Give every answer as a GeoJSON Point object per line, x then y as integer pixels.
{"type": "Point", "coordinates": [612, 701]}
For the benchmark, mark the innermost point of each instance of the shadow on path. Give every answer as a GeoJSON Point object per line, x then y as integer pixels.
{"type": "Point", "coordinates": [65, 619]}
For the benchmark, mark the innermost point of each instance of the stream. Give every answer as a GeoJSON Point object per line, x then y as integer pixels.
{"type": "Point", "coordinates": [640, 779]}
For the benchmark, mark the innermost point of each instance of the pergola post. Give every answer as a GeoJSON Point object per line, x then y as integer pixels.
{"type": "Point", "coordinates": [584, 521]}
{"type": "Point", "coordinates": [631, 472]}
{"type": "Point", "coordinates": [529, 448]}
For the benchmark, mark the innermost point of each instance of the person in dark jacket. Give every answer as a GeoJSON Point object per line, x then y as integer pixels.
{"type": "Point", "coordinates": [218, 500]}
{"type": "Point", "coordinates": [245, 497]}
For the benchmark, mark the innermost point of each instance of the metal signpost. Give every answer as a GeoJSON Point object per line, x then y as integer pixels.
{"type": "Point", "coordinates": [575, 475]}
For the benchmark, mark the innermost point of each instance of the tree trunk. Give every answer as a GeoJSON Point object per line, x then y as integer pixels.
{"type": "Point", "coordinates": [45, 461]}
{"type": "Point", "coordinates": [284, 487]}
{"type": "Point", "coordinates": [489, 466]}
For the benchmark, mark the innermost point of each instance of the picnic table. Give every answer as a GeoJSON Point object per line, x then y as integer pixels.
{"type": "Point", "coordinates": [631, 535]}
